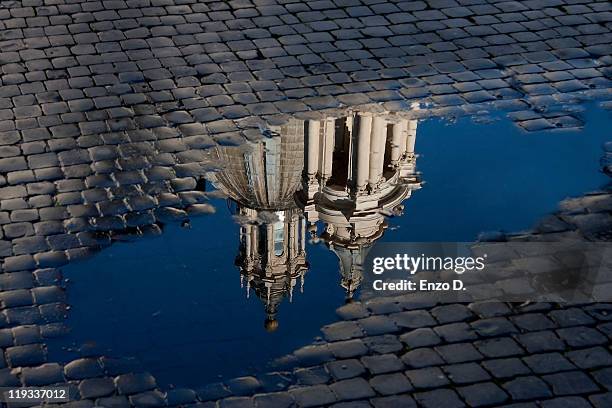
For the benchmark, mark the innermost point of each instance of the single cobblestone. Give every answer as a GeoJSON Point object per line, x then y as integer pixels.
{"type": "Point", "coordinates": [313, 396]}
{"type": "Point", "coordinates": [384, 363]}
{"type": "Point", "coordinates": [439, 398]}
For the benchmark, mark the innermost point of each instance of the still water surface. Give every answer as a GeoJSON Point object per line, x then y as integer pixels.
{"type": "Point", "coordinates": [175, 302]}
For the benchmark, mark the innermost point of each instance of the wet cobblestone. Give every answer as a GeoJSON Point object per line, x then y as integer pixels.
{"type": "Point", "coordinates": [105, 105]}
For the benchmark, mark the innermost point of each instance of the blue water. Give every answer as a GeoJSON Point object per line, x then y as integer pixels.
{"type": "Point", "coordinates": [175, 302]}
{"type": "Point", "coordinates": [495, 177]}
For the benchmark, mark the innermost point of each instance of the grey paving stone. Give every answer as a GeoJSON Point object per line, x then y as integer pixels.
{"type": "Point", "coordinates": [456, 332]}
{"type": "Point", "coordinates": [570, 383]}
{"type": "Point", "coordinates": [244, 386]}
{"type": "Point", "coordinates": [601, 400]}
{"type": "Point", "coordinates": [431, 377]}
{"type": "Point", "coordinates": [506, 367]}
{"type": "Point", "coordinates": [422, 357]}
{"type": "Point", "coordinates": [343, 369]}
{"type": "Point", "coordinates": [420, 338]}
{"type": "Point", "coordinates": [384, 363]}
{"type": "Point", "coordinates": [313, 355]}
{"type": "Point", "coordinates": [274, 400]}
{"type": "Point", "coordinates": [498, 347]}
{"type": "Point", "coordinates": [213, 391]}
{"type": "Point", "coordinates": [96, 387]}
{"type": "Point", "coordinates": [566, 402]}
{"type": "Point", "coordinates": [383, 344]}
{"type": "Point", "coordinates": [348, 348]}
{"type": "Point", "coordinates": [349, 404]}
{"type": "Point", "coordinates": [536, 124]}
{"type": "Point", "coordinates": [375, 325]}
{"type": "Point", "coordinates": [590, 358]}
{"type": "Point", "coordinates": [533, 322]}
{"type": "Point", "coordinates": [311, 376]}
{"type": "Point", "coordinates": [537, 342]}
{"type": "Point", "coordinates": [570, 317]}
{"type": "Point", "coordinates": [458, 353]}
{"type": "Point", "coordinates": [24, 356]}
{"type": "Point", "coordinates": [413, 319]}
{"type": "Point", "coordinates": [353, 389]}
{"type": "Point", "coordinates": [548, 363]}
{"type": "Point", "coordinates": [439, 398]}
{"type": "Point", "coordinates": [393, 401]}
{"type": "Point", "coordinates": [483, 394]}
{"type": "Point", "coordinates": [132, 383]}
{"type": "Point", "coordinates": [527, 388]}
{"type": "Point", "coordinates": [313, 395]}
{"type": "Point", "coordinates": [466, 373]}
{"type": "Point", "coordinates": [42, 375]}
{"type": "Point", "coordinates": [231, 402]}
{"type": "Point", "coordinates": [581, 336]}
{"type": "Point", "coordinates": [603, 377]}
{"type": "Point", "coordinates": [8, 379]}
{"type": "Point", "coordinates": [390, 384]}
{"type": "Point", "coordinates": [494, 327]}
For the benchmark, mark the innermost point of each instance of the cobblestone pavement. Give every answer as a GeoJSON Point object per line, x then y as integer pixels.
{"type": "Point", "coordinates": [106, 108]}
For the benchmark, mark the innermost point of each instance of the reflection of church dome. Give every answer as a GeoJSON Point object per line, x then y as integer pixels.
{"type": "Point", "coordinates": [347, 172]}
{"type": "Point", "coordinates": [265, 174]}
{"type": "Point", "coordinates": [262, 179]}
{"type": "Point", "coordinates": [359, 169]}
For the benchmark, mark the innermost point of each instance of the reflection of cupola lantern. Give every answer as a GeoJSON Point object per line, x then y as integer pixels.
{"type": "Point", "coordinates": [262, 180]}
{"type": "Point", "coordinates": [359, 168]}
{"type": "Point", "coordinates": [351, 267]}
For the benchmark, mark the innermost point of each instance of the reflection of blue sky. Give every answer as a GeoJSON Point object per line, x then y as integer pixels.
{"type": "Point", "coordinates": [494, 177]}
{"type": "Point", "coordinates": [175, 302]}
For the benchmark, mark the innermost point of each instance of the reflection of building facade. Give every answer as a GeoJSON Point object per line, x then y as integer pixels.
{"type": "Point", "coordinates": [262, 181]}
{"type": "Point", "coordinates": [347, 172]}
{"type": "Point", "coordinates": [359, 168]}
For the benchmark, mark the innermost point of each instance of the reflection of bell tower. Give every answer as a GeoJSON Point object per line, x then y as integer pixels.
{"type": "Point", "coordinates": [272, 258]}
{"type": "Point", "coordinates": [359, 168]}
{"type": "Point", "coordinates": [261, 180]}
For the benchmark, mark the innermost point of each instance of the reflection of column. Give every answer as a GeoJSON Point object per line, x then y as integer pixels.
{"type": "Point", "coordinates": [312, 141]}
{"type": "Point", "coordinates": [270, 242]}
{"type": "Point", "coordinates": [327, 148]}
{"type": "Point", "coordinates": [247, 241]}
{"type": "Point", "coordinates": [303, 235]}
{"type": "Point", "coordinates": [288, 231]}
{"type": "Point", "coordinates": [294, 237]}
{"type": "Point", "coordinates": [400, 135]}
{"type": "Point", "coordinates": [254, 241]}
{"type": "Point", "coordinates": [364, 130]}
{"type": "Point", "coordinates": [411, 139]}
{"type": "Point", "coordinates": [349, 123]}
{"type": "Point", "coordinates": [377, 151]}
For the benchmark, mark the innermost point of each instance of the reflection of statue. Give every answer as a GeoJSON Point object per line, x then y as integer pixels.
{"type": "Point", "coordinates": [353, 171]}
{"type": "Point", "coordinates": [262, 181]}
{"type": "Point", "coordinates": [359, 168]}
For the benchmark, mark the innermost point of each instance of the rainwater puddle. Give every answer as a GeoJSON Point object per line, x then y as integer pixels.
{"type": "Point", "coordinates": [260, 277]}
